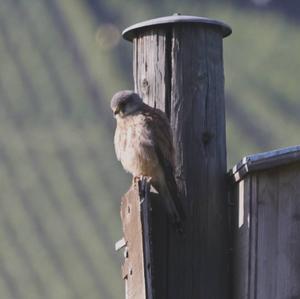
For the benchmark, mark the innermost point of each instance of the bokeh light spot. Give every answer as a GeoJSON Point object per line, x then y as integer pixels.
{"type": "Point", "coordinates": [261, 2]}
{"type": "Point", "coordinates": [108, 36]}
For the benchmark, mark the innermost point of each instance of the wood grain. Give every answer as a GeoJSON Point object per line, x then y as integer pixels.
{"type": "Point", "coordinates": [136, 220]}
{"type": "Point", "coordinates": [273, 236]}
{"type": "Point", "coordinates": [278, 250]}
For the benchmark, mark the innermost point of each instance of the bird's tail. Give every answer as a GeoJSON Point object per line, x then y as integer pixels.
{"type": "Point", "coordinates": [174, 208]}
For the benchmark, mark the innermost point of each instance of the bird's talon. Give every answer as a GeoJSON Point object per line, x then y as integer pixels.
{"type": "Point", "coordinates": [138, 178]}
{"type": "Point", "coordinates": [135, 179]}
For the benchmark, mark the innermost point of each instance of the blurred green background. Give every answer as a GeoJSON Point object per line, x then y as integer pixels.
{"type": "Point", "coordinates": [61, 61]}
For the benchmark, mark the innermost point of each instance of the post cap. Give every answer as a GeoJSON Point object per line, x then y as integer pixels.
{"type": "Point", "coordinates": [264, 161]}
{"type": "Point", "coordinates": [131, 32]}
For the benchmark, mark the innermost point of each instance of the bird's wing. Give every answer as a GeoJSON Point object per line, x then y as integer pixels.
{"type": "Point", "coordinates": [160, 130]}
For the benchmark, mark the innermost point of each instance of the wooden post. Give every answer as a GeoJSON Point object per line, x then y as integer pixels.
{"type": "Point", "coordinates": [178, 68]}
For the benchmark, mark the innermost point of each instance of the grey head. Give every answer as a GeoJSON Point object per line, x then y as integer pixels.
{"type": "Point", "coordinates": [125, 102]}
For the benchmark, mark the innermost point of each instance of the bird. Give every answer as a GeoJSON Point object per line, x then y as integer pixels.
{"type": "Point", "coordinates": [144, 146]}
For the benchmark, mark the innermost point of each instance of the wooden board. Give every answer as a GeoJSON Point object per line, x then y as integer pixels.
{"type": "Point", "coordinates": [241, 249]}
{"type": "Point", "coordinates": [137, 266]}
{"type": "Point", "coordinates": [278, 234]}
{"type": "Point", "coordinates": [267, 252]}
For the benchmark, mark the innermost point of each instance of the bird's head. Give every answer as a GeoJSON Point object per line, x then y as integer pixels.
{"type": "Point", "coordinates": [125, 102]}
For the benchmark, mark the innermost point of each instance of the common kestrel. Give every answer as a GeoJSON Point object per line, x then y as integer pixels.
{"type": "Point", "coordinates": [144, 145]}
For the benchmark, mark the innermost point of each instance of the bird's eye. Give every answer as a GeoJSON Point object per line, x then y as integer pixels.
{"type": "Point", "coordinates": [122, 106]}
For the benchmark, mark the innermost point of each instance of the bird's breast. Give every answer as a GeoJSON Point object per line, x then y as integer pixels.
{"type": "Point", "coordinates": [135, 153]}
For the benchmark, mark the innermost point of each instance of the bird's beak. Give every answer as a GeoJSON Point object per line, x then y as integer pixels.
{"type": "Point", "coordinates": [117, 110]}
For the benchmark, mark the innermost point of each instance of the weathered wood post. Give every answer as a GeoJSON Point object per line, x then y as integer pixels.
{"type": "Point", "coordinates": [178, 68]}
{"type": "Point", "coordinates": [266, 225]}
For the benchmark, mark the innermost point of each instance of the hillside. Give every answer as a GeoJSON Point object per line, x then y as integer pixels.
{"type": "Point", "coordinates": [60, 183]}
